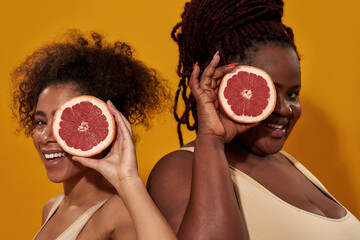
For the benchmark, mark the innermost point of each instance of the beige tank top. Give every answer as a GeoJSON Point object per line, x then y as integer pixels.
{"type": "Point", "coordinates": [75, 228]}
{"type": "Point", "coordinates": [269, 217]}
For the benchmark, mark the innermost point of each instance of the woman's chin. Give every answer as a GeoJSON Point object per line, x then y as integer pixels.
{"type": "Point", "coordinates": [268, 148]}
{"type": "Point", "coordinates": [55, 179]}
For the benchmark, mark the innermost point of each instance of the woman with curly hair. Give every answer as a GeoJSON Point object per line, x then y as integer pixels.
{"type": "Point", "coordinates": [233, 181]}
{"type": "Point", "coordinates": [104, 197]}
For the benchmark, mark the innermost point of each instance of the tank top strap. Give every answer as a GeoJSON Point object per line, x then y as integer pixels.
{"type": "Point", "coordinates": [53, 209]}
{"type": "Point", "coordinates": [190, 149]}
{"type": "Point", "coordinates": [308, 174]}
{"type": "Point", "coordinates": [74, 229]}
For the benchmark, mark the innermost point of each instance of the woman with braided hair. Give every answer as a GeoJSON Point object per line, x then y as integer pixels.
{"type": "Point", "coordinates": [233, 181]}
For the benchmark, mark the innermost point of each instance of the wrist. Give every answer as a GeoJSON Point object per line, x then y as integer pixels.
{"type": "Point", "coordinates": [128, 182]}
{"type": "Point", "coordinates": [209, 140]}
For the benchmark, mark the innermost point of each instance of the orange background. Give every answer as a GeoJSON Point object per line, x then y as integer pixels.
{"type": "Point", "coordinates": [326, 139]}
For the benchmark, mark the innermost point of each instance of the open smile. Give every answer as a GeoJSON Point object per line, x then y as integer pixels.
{"type": "Point", "coordinates": [274, 126]}
{"type": "Point", "coordinates": [52, 156]}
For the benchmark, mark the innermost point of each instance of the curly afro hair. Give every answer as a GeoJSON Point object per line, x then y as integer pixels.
{"type": "Point", "coordinates": [235, 28]}
{"type": "Point", "coordinates": [107, 71]}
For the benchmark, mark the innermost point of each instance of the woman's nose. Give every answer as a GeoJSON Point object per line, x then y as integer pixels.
{"type": "Point", "coordinates": [47, 134]}
{"type": "Point", "coordinates": [283, 107]}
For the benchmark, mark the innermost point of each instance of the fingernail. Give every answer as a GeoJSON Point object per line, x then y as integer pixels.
{"type": "Point", "coordinates": [195, 65]}
{"type": "Point", "coordinates": [233, 64]}
{"type": "Point", "coordinates": [111, 104]}
{"type": "Point", "coordinates": [217, 53]}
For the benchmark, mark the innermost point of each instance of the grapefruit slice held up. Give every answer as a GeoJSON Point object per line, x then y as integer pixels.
{"type": "Point", "coordinates": [83, 126]}
{"type": "Point", "coordinates": [247, 94]}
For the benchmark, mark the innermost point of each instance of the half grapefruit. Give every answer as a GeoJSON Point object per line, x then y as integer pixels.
{"type": "Point", "coordinates": [83, 126]}
{"type": "Point", "coordinates": [247, 94]}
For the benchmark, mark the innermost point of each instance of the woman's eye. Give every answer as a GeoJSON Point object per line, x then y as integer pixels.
{"type": "Point", "coordinates": [293, 95]}
{"type": "Point", "coordinates": [39, 122]}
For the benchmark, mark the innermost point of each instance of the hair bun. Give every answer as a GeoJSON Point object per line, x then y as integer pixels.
{"type": "Point", "coordinates": [274, 10]}
{"type": "Point", "coordinates": [260, 10]}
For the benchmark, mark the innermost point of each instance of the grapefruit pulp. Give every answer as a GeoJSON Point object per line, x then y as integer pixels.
{"type": "Point", "coordinates": [83, 126]}
{"type": "Point", "coordinates": [247, 94]}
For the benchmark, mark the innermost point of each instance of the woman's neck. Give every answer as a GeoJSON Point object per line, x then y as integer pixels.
{"type": "Point", "coordinates": [88, 188]}
{"type": "Point", "coordinates": [238, 153]}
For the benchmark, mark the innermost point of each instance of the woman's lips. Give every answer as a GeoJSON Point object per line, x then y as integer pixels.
{"type": "Point", "coordinates": [275, 130]}
{"type": "Point", "coordinates": [52, 159]}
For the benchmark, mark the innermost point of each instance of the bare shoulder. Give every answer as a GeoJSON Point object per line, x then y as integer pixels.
{"type": "Point", "coordinates": [169, 185]}
{"type": "Point", "coordinates": [173, 167]}
{"type": "Point", "coordinates": [111, 221]}
{"type": "Point", "coordinates": [48, 205]}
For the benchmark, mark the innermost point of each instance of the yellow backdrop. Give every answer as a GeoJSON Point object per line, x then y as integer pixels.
{"type": "Point", "coordinates": [326, 139]}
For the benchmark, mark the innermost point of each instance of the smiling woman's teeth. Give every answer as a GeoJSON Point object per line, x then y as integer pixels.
{"type": "Point", "coordinates": [54, 155]}
{"type": "Point", "coordinates": [276, 126]}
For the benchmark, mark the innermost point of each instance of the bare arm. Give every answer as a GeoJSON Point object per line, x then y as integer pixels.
{"type": "Point", "coordinates": [119, 167]}
{"type": "Point", "coordinates": [169, 185]}
{"type": "Point", "coordinates": [211, 210]}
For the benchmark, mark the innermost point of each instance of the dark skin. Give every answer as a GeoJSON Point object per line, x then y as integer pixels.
{"type": "Point", "coordinates": [195, 192]}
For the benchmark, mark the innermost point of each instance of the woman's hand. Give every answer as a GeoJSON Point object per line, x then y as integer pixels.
{"type": "Point", "coordinates": [120, 163]}
{"type": "Point", "coordinates": [211, 120]}
{"type": "Point", "coordinates": [119, 167]}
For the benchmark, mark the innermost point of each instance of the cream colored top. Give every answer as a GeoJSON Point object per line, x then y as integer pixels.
{"type": "Point", "coordinates": [75, 228]}
{"type": "Point", "coordinates": [269, 217]}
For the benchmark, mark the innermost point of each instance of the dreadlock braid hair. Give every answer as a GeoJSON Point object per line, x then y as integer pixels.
{"type": "Point", "coordinates": [228, 26]}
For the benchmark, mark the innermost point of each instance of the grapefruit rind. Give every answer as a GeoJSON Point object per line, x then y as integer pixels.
{"type": "Point", "coordinates": [244, 118]}
{"type": "Point", "coordinates": [96, 149]}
